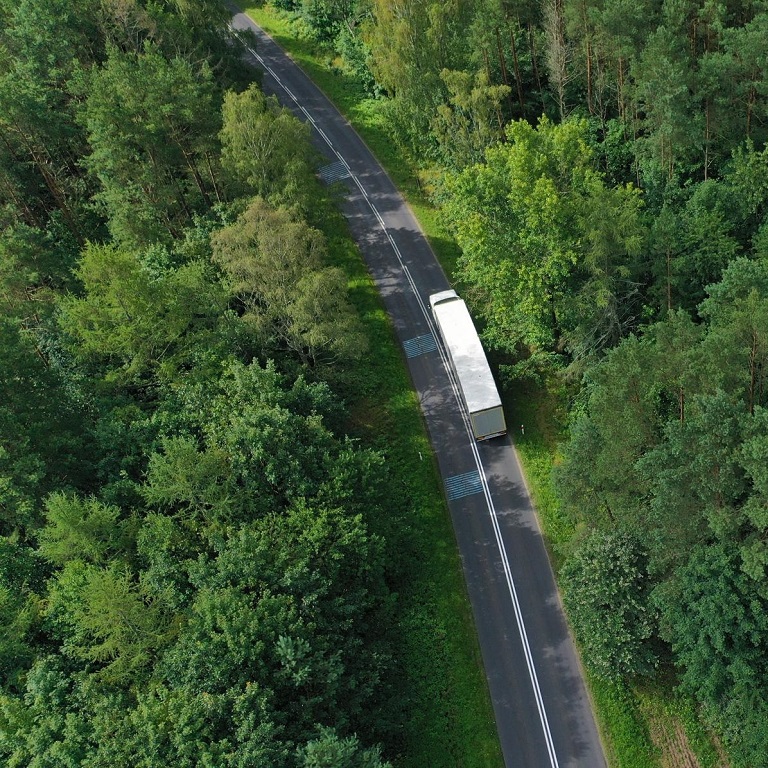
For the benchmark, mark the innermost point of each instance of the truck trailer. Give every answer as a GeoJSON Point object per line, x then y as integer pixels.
{"type": "Point", "coordinates": [470, 364]}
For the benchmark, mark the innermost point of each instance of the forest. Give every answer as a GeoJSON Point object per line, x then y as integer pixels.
{"type": "Point", "coordinates": [603, 167]}
{"type": "Point", "coordinates": [195, 557]}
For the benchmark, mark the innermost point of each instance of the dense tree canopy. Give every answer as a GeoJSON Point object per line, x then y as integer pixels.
{"type": "Point", "coordinates": [670, 450]}
{"type": "Point", "coordinates": [547, 247]}
{"type": "Point", "coordinates": [265, 148]}
{"type": "Point", "coordinates": [192, 570]}
{"type": "Point", "coordinates": [274, 263]}
{"type": "Point", "coordinates": [605, 587]}
{"type": "Point", "coordinates": [191, 564]}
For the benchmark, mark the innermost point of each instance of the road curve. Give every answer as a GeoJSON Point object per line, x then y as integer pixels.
{"type": "Point", "coordinates": [543, 714]}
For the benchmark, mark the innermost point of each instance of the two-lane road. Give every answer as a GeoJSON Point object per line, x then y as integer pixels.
{"type": "Point", "coordinates": [543, 714]}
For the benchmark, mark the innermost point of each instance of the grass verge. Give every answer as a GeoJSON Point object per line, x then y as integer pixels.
{"type": "Point", "coordinates": [437, 619]}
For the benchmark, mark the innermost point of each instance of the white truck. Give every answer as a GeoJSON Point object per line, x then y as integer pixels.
{"type": "Point", "coordinates": [469, 364]}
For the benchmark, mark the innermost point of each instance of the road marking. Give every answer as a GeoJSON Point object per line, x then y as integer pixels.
{"type": "Point", "coordinates": [459, 486]}
{"type": "Point", "coordinates": [333, 172]}
{"type": "Point", "coordinates": [420, 345]}
{"type": "Point", "coordinates": [472, 442]}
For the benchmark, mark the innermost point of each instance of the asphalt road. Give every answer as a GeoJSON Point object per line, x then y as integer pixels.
{"type": "Point", "coordinates": [543, 714]}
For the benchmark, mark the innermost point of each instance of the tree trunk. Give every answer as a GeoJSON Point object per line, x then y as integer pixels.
{"type": "Point", "coordinates": [590, 95]}
{"type": "Point", "coordinates": [532, 43]}
{"type": "Point", "coordinates": [707, 137]}
{"type": "Point", "coordinates": [213, 178]}
{"type": "Point", "coordinates": [753, 372]}
{"type": "Point", "coordinates": [669, 279]}
{"type": "Point", "coordinates": [53, 187]}
{"type": "Point", "coordinates": [19, 202]}
{"type": "Point", "coordinates": [517, 70]}
{"type": "Point", "coordinates": [487, 63]}
{"type": "Point", "coordinates": [590, 105]}
{"type": "Point", "coordinates": [499, 117]}
{"type": "Point", "coordinates": [503, 66]}
{"type": "Point", "coordinates": [620, 88]}
{"type": "Point", "coordinates": [557, 51]}
{"type": "Point", "coordinates": [192, 165]}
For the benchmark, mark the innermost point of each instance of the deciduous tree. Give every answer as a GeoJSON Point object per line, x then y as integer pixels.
{"type": "Point", "coordinates": [606, 591]}
{"type": "Point", "coordinates": [536, 253]}
{"type": "Point", "coordinates": [275, 263]}
{"type": "Point", "coordinates": [265, 149]}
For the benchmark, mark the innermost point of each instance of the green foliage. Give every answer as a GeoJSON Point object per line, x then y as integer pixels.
{"type": "Point", "coordinates": [737, 344]}
{"type": "Point", "coordinates": [629, 397]}
{"type": "Point", "coordinates": [103, 617]}
{"type": "Point", "coordinates": [605, 589]}
{"type": "Point", "coordinates": [546, 269]}
{"type": "Point", "coordinates": [79, 529]}
{"type": "Point", "coordinates": [265, 149]}
{"type": "Point", "coordinates": [630, 745]}
{"type": "Point", "coordinates": [696, 244]}
{"type": "Point", "coordinates": [714, 618]}
{"type": "Point", "coordinates": [290, 618]}
{"type": "Point", "coordinates": [489, 41]}
{"type": "Point", "coordinates": [276, 265]}
{"type": "Point", "coordinates": [664, 90]}
{"type": "Point", "coordinates": [34, 264]}
{"type": "Point", "coordinates": [672, 447]}
{"type": "Point", "coordinates": [669, 441]}
{"type": "Point", "coordinates": [182, 476]}
{"type": "Point", "coordinates": [193, 31]}
{"type": "Point", "coordinates": [164, 726]}
{"type": "Point", "coordinates": [20, 579]}
{"type": "Point", "coordinates": [35, 726]}
{"type": "Point", "coordinates": [209, 582]}
{"type": "Point", "coordinates": [670, 90]}
{"type": "Point", "coordinates": [138, 325]}
{"type": "Point", "coordinates": [329, 751]}
{"type": "Point", "coordinates": [260, 448]}
{"type": "Point", "coordinates": [42, 443]}
{"type": "Point", "coordinates": [152, 124]}
{"type": "Point", "coordinates": [464, 127]}
{"type": "Point", "coordinates": [695, 482]}
{"type": "Point", "coordinates": [356, 56]}
{"type": "Point", "coordinates": [43, 45]}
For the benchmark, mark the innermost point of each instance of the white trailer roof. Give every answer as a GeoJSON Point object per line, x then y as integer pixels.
{"type": "Point", "coordinates": [469, 360]}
